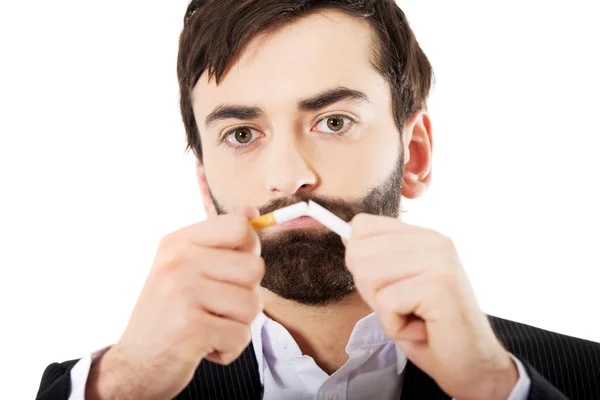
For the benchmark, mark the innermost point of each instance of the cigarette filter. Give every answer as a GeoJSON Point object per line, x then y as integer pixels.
{"type": "Point", "coordinates": [280, 216]}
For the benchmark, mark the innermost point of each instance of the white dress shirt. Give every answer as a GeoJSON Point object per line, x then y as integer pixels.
{"type": "Point", "coordinates": [374, 369]}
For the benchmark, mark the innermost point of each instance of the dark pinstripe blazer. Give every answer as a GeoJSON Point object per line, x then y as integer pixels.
{"type": "Point", "coordinates": [560, 367]}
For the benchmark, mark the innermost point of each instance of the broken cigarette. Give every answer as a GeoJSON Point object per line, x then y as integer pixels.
{"type": "Point", "coordinates": [312, 209]}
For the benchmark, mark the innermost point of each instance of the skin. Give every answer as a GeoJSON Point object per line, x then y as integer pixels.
{"type": "Point", "coordinates": [425, 301]}
{"type": "Point", "coordinates": [290, 158]}
{"type": "Point", "coordinates": [204, 291]}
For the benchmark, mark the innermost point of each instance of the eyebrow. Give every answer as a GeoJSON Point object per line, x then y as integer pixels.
{"type": "Point", "coordinates": [316, 103]}
{"type": "Point", "coordinates": [330, 97]}
{"type": "Point", "coordinates": [233, 112]}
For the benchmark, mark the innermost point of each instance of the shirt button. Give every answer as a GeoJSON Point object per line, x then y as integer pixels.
{"type": "Point", "coordinates": [330, 396]}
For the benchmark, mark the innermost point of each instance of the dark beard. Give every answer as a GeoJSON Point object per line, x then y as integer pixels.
{"type": "Point", "coordinates": [308, 266]}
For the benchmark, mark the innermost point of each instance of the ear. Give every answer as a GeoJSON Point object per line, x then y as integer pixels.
{"type": "Point", "coordinates": [209, 206]}
{"type": "Point", "coordinates": [418, 147]}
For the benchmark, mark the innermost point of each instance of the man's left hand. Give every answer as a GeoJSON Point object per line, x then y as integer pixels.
{"type": "Point", "coordinates": [413, 279]}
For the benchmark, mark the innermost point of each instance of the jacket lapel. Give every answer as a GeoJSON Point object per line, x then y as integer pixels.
{"type": "Point", "coordinates": [239, 380]}
{"type": "Point", "coordinates": [417, 385]}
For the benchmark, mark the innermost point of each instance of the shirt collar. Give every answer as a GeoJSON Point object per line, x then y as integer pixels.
{"type": "Point", "coordinates": [367, 332]}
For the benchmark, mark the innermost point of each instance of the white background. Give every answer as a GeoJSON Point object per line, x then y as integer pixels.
{"type": "Point", "coordinates": [93, 170]}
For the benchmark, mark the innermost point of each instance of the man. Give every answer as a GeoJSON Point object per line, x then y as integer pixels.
{"type": "Point", "coordinates": [294, 100]}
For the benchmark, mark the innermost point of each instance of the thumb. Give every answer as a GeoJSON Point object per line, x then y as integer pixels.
{"type": "Point", "coordinates": [248, 212]}
{"type": "Point", "coordinates": [251, 213]}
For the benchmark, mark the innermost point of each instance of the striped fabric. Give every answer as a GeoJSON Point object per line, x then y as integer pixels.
{"type": "Point", "coordinates": [238, 380]}
{"type": "Point", "coordinates": [560, 367]}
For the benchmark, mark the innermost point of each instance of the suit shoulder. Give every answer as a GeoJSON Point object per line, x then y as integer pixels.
{"type": "Point", "coordinates": [56, 379]}
{"type": "Point", "coordinates": [561, 359]}
{"type": "Point", "coordinates": [519, 334]}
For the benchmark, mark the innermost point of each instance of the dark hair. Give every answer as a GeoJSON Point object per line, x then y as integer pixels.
{"type": "Point", "coordinates": [216, 32]}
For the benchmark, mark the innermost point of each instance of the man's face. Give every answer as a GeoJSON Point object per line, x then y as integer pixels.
{"type": "Point", "coordinates": [303, 115]}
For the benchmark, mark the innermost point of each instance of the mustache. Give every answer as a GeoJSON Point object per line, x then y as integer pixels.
{"type": "Point", "coordinates": [344, 209]}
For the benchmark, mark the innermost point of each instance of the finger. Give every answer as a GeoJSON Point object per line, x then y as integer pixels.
{"type": "Point", "coordinates": [379, 261]}
{"type": "Point", "coordinates": [229, 231]}
{"type": "Point", "coordinates": [229, 301]}
{"type": "Point", "coordinates": [425, 296]}
{"type": "Point", "coordinates": [364, 248]}
{"type": "Point", "coordinates": [226, 339]}
{"type": "Point", "coordinates": [248, 212]}
{"type": "Point", "coordinates": [243, 269]}
{"type": "Point", "coordinates": [415, 330]}
{"type": "Point", "coordinates": [251, 213]}
{"type": "Point", "coordinates": [367, 294]}
{"type": "Point", "coordinates": [385, 270]}
{"type": "Point", "coordinates": [401, 298]}
{"type": "Point", "coordinates": [366, 225]}
{"type": "Point", "coordinates": [392, 323]}
{"type": "Point", "coordinates": [403, 328]}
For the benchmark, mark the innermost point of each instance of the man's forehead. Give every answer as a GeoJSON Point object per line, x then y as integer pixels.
{"type": "Point", "coordinates": [318, 52]}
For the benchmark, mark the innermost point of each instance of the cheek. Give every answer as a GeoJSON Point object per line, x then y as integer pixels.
{"type": "Point", "coordinates": [361, 164]}
{"type": "Point", "coordinates": [383, 152]}
{"type": "Point", "coordinates": [231, 181]}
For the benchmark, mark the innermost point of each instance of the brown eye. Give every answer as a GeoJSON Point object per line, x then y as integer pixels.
{"type": "Point", "coordinates": [243, 135]}
{"type": "Point", "coordinates": [335, 124]}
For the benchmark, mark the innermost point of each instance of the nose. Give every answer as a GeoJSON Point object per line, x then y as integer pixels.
{"type": "Point", "coordinates": [289, 173]}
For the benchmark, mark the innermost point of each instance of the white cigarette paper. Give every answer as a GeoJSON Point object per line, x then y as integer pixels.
{"type": "Point", "coordinates": [329, 219]}
{"type": "Point", "coordinates": [312, 209]}
{"type": "Point", "coordinates": [290, 213]}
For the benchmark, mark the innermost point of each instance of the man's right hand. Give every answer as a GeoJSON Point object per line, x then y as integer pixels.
{"type": "Point", "coordinates": [199, 300]}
